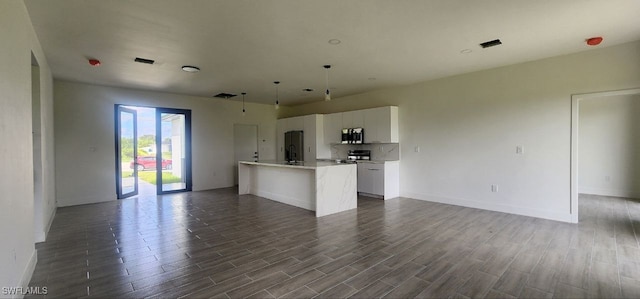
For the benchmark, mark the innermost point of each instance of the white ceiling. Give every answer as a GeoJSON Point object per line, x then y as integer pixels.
{"type": "Point", "coordinates": [245, 45]}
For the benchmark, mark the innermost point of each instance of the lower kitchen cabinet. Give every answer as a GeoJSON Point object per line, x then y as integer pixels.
{"type": "Point", "coordinates": [380, 179]}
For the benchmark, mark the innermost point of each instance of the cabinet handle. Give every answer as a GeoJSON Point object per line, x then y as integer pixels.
{"type": "Point", "coordinates": [373, 169]}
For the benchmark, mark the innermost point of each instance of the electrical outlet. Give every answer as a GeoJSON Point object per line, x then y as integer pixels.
{"type": "Point", "coordinates": [494, 188]}
{"type": "Point", "coordinates": [607, 179]}
{"type": "Point", "coordinates": [417, 149]}
{"type": "Point", "coordinates": [382, 148]}
{"type": "Point", "coordinates": [15, 257]}
{"type": "Point", "coordinates": [519, 149]}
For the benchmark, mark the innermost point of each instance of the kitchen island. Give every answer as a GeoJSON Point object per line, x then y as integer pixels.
{"type": "Point", "coordinates": [323, 186]}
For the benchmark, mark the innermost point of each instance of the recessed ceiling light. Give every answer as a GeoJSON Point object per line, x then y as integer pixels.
{"type": "Point", "coordinates": [334, 41]}
{"type": "Point", "coordinates": [308, 89]}
{"type": "Point", "coordinates": [372, 79]}
{"type": "Point", "coordinates": [190, 69]}
{"type": "Point", "coordinates": [466, 51]}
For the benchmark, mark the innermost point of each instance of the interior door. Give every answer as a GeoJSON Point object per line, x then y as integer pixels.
{"type": "Point", "coordinates": [245, 145]}
{"type": "Point", "coordinates": [173, 153]}
{"type": "Point", "coordinates": [126, 152]}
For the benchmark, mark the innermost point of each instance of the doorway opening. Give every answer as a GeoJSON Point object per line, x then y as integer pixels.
{"type": "Point", "coordinates": [36, 124]}
{"type": "Point", "coordinates": [153, 151]}
{"type": "Point", "coordinates": [603, 142]}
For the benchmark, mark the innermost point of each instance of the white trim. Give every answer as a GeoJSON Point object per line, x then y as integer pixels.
{"type": "Point", "coordinates": [531, 212]}
{"type": "Point", "coordinates": [42, 235]}
{"type": "Point", "coordinates": [609, 192]}
{"type": "Point", "coordinates": [372, 195]}
{"type": "Point", "coordinates": [575, 102]}
{"type": "Point", "coordinates": [27, 273]}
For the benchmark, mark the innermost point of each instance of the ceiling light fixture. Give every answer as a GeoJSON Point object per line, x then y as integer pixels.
{"type": "Point", "coordinates": [466, 51]}
{"type": "Point", "coordinates": [190, 68]}
{"type": "Point", "coordinates": [277, 100]}
{"type": "Point", "coordinates": [243, 111]}
{"type": "Point", "coordinates": [334, 41]}
{"type": "Point", "coordinates": [327, 93]}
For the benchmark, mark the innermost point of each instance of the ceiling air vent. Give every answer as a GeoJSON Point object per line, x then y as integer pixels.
{"type": "Point", "coordinates": [144, 60]}
{"type": "Point", "coordinates": [491, 43]}
{"type": "Point", "coordinates": [224, 95]}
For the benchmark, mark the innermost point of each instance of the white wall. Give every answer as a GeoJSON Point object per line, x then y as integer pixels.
{"type": "Point", "coordinates": [468, 127]}
{"type": "Point", "coordinates": [85, 120]}
{"type": "Point", "coordinates": [609, 143]}
{"type": "Point", "coordinates": [17, 216]}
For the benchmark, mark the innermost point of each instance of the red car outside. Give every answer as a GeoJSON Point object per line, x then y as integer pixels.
{"type": "Point", "coordinates": [149, 162]}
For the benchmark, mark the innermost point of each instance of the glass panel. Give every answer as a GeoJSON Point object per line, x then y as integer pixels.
{"type": "Point", "coordinates": [127, 132]}
{"type": "Point", "coordinates": [173, 152]}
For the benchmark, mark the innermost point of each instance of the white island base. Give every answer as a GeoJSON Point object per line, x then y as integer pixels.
{"type": "Point", "coordinates": [323, 187]}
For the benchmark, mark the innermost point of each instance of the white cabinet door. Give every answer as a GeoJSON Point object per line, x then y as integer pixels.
{"type": "Point", "coordinates": [371, 178]}
{"type": "Point", "coordinates": [281, 128]}
{"type": "Point", "coordinates": [365, 181]}
{"type": "Point", "coordinates": [347, 119]}
{"type": "Point", "coordinates": [357, 119]}
{"type": "Point", "coordinates": [389, 132]}
{"type": "Point", "coordinates": [381, 125]}
{"type": "Point", "coordinates": [333, 128]}
{"type": "Point", "coordinates": [295, 123]}
{"type": "Point", "coordinates": [372, 124]}
{"type": "Point", "coordinates": [309, 123]}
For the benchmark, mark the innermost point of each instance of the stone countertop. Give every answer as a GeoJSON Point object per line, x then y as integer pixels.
{"type": "Point", "coordinates": [298, 165]}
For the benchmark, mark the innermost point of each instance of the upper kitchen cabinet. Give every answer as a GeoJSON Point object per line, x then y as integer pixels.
{"type": "Point", "coordinates": [281, 128]}
{"type": "Point", "coordinates": [295, 123]}
{"type": "Point", "coordinates": [353, 119]}
{"type": "Point", "coordinates": [314, 144]}
{"type": "Point", "coordinates": [333, 128]}
{"type": "Point", "coordinates": [314, 131]}
{"type": "Point", "coordinates": [381, 125]}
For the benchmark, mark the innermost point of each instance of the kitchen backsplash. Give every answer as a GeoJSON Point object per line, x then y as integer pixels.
{"type": "Point", "coordinates": [379, 151]}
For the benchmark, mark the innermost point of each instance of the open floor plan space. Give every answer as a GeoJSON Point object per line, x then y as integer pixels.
{"type": "Point", "coordinates": [220, 244]}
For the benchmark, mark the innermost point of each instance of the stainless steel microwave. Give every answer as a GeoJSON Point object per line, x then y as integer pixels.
{"type": "Point", "coordinates": [352, 136]}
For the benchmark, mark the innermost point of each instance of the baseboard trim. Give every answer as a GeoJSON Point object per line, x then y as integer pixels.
{"type": "Point", "coordinates": [492, 207]}
{"type": "Point", "coordinates": [609, 192]}
{"type": "Point", "coordinates": [48, 226]}
{"type": "Point", "coordinates": [27, 273]}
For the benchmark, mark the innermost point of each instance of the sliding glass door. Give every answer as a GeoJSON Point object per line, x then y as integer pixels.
{"type": "Point", "coordinates": [173, 154]}
{"type": "Point", "coordinates": [126, 151]}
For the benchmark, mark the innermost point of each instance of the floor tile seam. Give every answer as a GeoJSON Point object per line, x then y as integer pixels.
{"type": "Point", "coordinates": [524, 284]}
{"type": "Point", "coordinates": [618, 268]}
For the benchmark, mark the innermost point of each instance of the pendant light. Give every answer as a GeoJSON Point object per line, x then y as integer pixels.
{"type": "Point", "coordinates": [243, 111]}
{"type": "Point", "coordinates": [277, 99]}
{"type": "Point", "coordinates": [327, 93]}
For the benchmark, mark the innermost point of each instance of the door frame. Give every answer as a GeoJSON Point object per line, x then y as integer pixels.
{"type": "Point", "coordinates": [575, 113]}
{"type": "Point", "coordinates": [235, 150]}
{"type": "Point", "coordinates": [187, 149]}
{"type": "Point", "coordinates": [117, 110]}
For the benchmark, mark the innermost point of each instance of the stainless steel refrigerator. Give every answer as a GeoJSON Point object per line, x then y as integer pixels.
{"type": "Point", "coordinates": [293, 146]}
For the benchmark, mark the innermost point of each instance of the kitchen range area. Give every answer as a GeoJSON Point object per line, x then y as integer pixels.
{"type": "Point", "coordinates": [325, 160]}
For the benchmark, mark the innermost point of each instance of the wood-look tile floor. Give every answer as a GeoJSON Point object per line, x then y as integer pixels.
{"type": "Point", "coordinates": [218, 244]}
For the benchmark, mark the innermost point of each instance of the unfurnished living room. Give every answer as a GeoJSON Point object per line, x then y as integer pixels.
{"type": "Point", "coordinates": [319, 149]}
